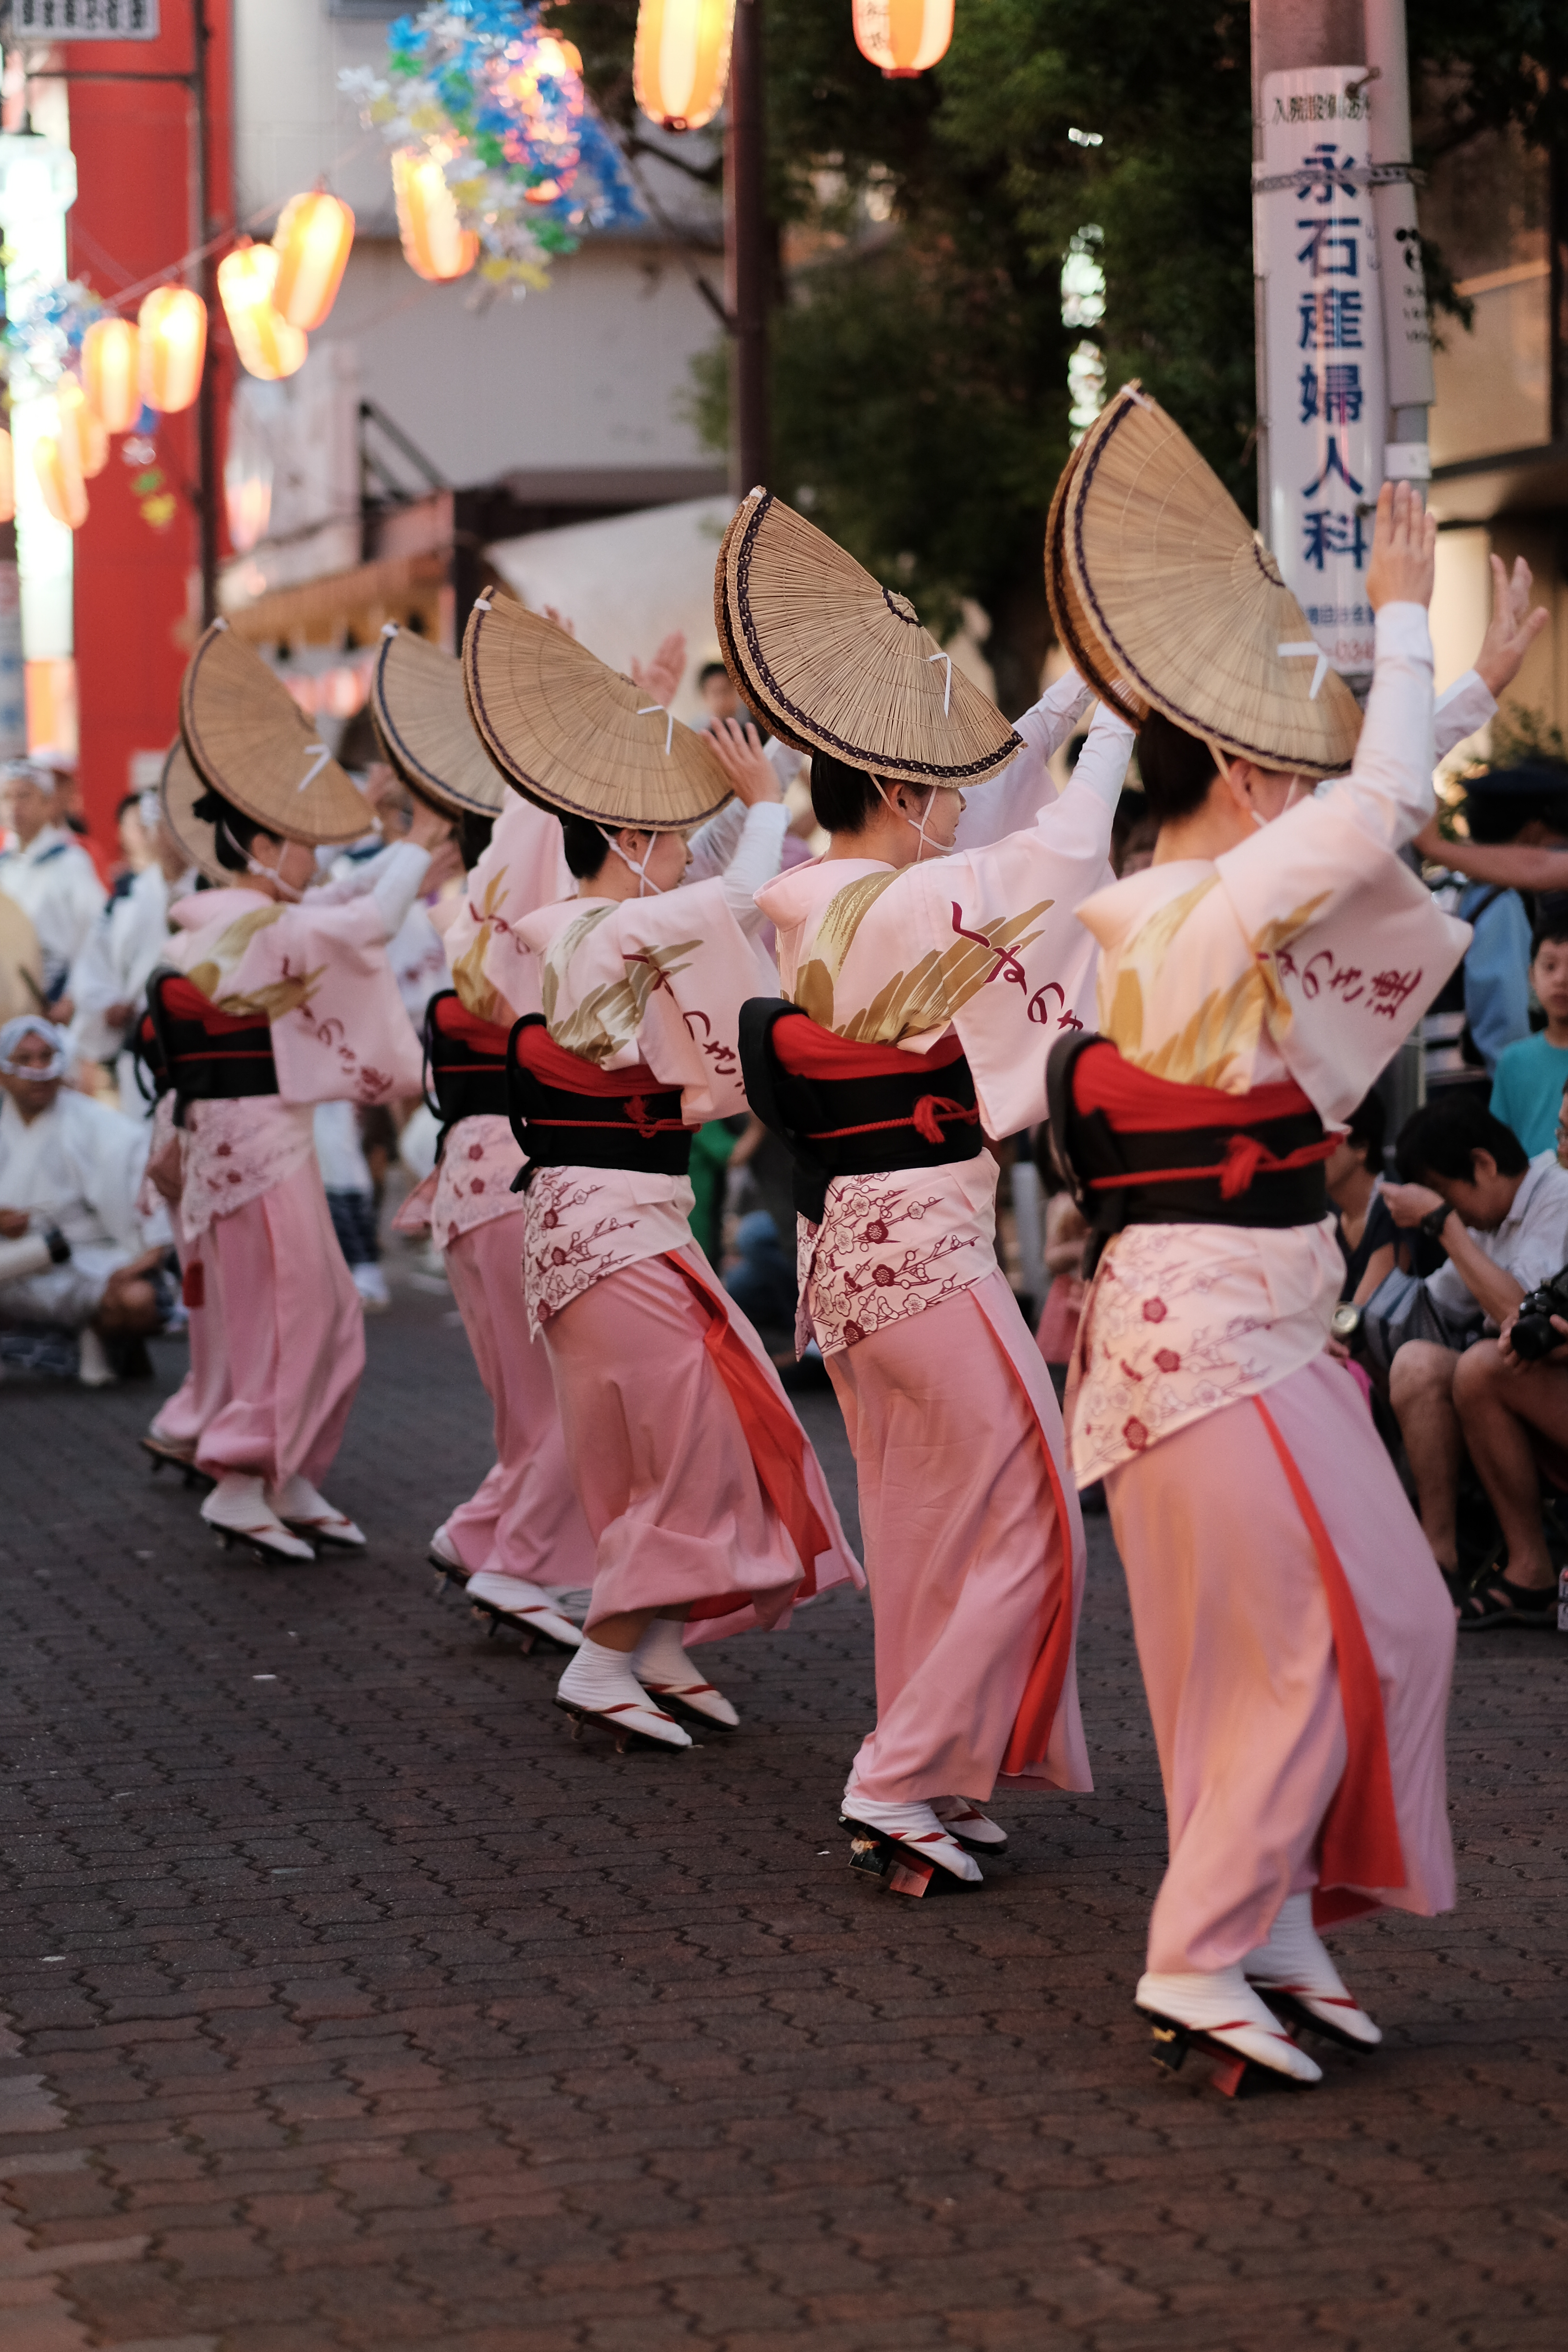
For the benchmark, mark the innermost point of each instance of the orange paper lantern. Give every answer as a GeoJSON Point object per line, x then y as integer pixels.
{"type": "Point", "coordinates": [434, 241]}
{"type": "Point", "coordinates": [682, 62]}
{"type": "Point", "coordinates": [903, 36]}
{"type": "Point", "coordinates": [59, 479]}
{"type": "Point", "coordinates": [312, 239]}
{"type": "Point", "coordinates": [8, 477]}
{"type": "Point", "coordinates": [81, 428]}
{"type": "Point", "coordinates": [267, 345]}
{"type": "Point", "coordinates": [172, 340]}
{"type": "Point", "coordinates": [110, 374]}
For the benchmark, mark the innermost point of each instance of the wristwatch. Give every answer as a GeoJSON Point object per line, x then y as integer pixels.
{"type": "Point", "coordinates": [1432, 1222]}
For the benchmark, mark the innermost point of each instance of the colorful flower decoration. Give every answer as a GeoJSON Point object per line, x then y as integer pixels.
{"type": "Point", "coordinates": [44, 327]}
{"type": "Point", "coordinates": [497, 99]}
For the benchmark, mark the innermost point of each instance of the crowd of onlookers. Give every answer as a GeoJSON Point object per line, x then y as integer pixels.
{"type": "Point", "coordinates": [1447, 1226]}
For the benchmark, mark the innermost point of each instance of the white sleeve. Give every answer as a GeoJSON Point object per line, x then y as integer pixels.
{"type": "Point", "coordinates": [1459, 710]}
{"type": "Point", "coordinates": [1007, 802]}
{"type": "Point", "coordinates": [1389, 789]}
{"type": "Point", "coordinates": [93, 986]}
{"type": "Point", "coordinates": [1103, 764]}
{"type": "Point", "coordinates": [712, 845]}
{"type": "Point", "coordinates": [755, 861]}
{"type": "Point", "coordinates": [400, 877]}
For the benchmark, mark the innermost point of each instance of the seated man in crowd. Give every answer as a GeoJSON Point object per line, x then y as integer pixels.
{"type": "Point", "coordinates": [1502, 1220]}
{"type": "Point", "coordinates": [1527, 1092]}
{"type": "Point", "coordinates": [47, 872]}
{"type": "Point", "coordinates": [74, 1264]}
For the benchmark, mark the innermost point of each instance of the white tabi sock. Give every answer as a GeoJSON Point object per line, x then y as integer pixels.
{"type": "Point", "coordinates": [601, 1682]}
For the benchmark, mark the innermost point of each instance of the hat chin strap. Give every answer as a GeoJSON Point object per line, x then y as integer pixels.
{"type": "Point", "coordinates": [254, 866]}
{"type": "Point", "coordinates": [643, 883]}
{"type": "Point", "coordinates": [941, 849]}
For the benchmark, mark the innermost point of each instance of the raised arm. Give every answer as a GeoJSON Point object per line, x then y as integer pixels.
{"type": "Point", "coordinates": [755, 856]}
{"type": "Point", "coordinates": [1014, 799]}
{"type": "Point", "coordinates": [1389, 789]}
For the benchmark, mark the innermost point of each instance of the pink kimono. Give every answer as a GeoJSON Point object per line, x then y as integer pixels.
{"type": "Point", "coordinates": [1294, 1634]}
{"type": "Point", "coordinates": [252, 1209]}
{"type": "Point", "coordinates": [696, 1480]}
{"type": "Point", "coordinates": [973, 1542]}
{"type": "Point", "coordinates": [524, 1519]}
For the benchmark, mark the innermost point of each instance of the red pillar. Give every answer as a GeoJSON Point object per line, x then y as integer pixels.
{"type": "Point", "coordinates": [138, 585]}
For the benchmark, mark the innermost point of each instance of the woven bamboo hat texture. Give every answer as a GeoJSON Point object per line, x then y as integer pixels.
{"type": "Point", "coordinates": [249, 739]}
{"type": "Point", "coordinates": [574, 735]}
{"type": "Point", "coordinates": [179, 789]}
{"type": "Point", "coordinates": [835, 662]}
{"type": "Point", "coordinates": [421, 717]}
{"type": "Point", "coordinates": [1167, 599]}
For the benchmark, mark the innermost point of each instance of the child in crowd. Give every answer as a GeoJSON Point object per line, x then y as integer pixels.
{"type": "Point", "coordinates": [1527, 1090]}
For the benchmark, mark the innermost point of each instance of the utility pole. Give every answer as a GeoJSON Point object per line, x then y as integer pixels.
{"type": "Point", "coordinates": [206, 399]}
{"type": "Point", "coordinates": [1407, 326]}
{"type": "Point", "coordinates": [746, 253]}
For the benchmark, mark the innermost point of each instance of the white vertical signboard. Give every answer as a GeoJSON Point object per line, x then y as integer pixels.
{"type": "Point", "coordinates": [1325, 396]}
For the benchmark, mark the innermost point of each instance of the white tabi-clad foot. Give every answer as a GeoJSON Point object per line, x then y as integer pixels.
{"type": "Point", "coordinates": [663, 1668]}
{"type": "Point", "coordinates": [968, 1824]}
{"type": "Point", "coordinates": [599, 1685]}
{"type": "Point", "coordinates": [915, 1827]}
{"type": "Point", "coordinates": [238, 1506]}
{"type": "Point", "coordinates": [524, 1605]}
{"type": "Point", "coordinates": [1220, 2005]}
{"type": "Point", "coordinates": [300, 1507]}
{"type": "Point", "coordinates": [443, 1554]}
{"type": "Point", "coordinates": [1294, 1972]}
{"type": "Point", "coordinates": [94, 1370]}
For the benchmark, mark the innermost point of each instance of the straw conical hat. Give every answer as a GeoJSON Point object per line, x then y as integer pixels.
{"type": "Point", "coordinates": [574, 735]}
{"type": "Point", "coordinates": [835, 662]}
{"type": "Point", "coordinates": [248, 738]}
{"type": "Point", "coordinates": [179, 789]}
{"type": "Point", "coordinates": [1164, 595]}
{"type": "Point", "coordinates": [421, 716]}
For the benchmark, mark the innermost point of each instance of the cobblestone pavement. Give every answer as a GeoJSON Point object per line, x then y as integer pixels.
{"type": "Point", "coordinates": [353, 2005]}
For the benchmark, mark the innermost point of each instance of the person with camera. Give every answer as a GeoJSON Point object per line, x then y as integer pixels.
{"type": "Point", "coordinates": [1502, 1222]}
{"type": "Point", "coordinates": [1512, 1398]}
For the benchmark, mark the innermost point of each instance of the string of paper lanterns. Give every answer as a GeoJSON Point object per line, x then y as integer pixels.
{"type": "Point", "coordinates": [681, 59]}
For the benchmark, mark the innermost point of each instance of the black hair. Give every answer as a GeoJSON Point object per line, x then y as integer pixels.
{"type": "Point", "coordinates": [708, 670]}
{"type": "Point", "coordinates": [1177, 769]}
{"type": "Point", "coordinates": [843, 798]}
{"type": "Point", "coordinates": [586, 847]}
{"type": "Point", "coordinates": [359, 745]}
{"type": "Point", "coordinates": [1442, 1138]}
{"type": "Point", "coordinates": [1551, 922]}
{"type": "Point", "coordinates": [473, 837]}
{"type": "Point", "coordinates": [130, 800]}
{"type": "Point", "coordinates": [1368, 1125]}
{"type": "Point", "coordinates": [233, 832]}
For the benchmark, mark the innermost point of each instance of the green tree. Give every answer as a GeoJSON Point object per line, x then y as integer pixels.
{"type": "Point", "coordinates": [919, 367]}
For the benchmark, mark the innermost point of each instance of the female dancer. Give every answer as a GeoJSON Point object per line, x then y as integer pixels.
{"type": "Point", "coordinates": [707, 1507]}
{"type": "Point", "coordinates": [924, 987]}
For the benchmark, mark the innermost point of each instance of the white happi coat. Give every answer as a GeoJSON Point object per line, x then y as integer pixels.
{"type": "Point", "coordinates": [1308, 953]}
{"type": "Point", "coordinates": [77, 1166]}
{"type": "Point", "coordinates": [983, 943]}
{"type": "Point", "coordinates": [55, 882]}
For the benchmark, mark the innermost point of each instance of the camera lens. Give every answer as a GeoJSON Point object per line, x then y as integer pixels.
{"type": "Point", "coordinates": [1533, 1338]}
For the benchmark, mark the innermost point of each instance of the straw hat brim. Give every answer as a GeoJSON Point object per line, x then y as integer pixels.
{"type": "Point", "coordinates": [179, 788]}
{"type": "Point", "coordinates": [1074, 632]}
{"type": "Point", "coordinates": [1155, 572]}
{"type": "Point", "coordinates": [250, 740]}
{"type": "Point", "coordinates": [420, 711]}
{"type": "Point", "coordinates": [837, 662]}
{"type": "Point", "coordinates": [574, 735]}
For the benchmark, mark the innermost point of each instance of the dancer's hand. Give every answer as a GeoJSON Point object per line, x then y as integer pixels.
{"type": "Point", "coordinates": [662, 675]}
{"type": "Point", "coordinates": [1403, 549]}
{"type": "Point", "coordinates": [741, 755]}
{"type": "Point", "coordinates": [1513, 628]}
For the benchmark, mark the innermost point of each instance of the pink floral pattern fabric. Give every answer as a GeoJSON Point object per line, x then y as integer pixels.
{"type": "Point", "coordinates": [586, 1222]}
{"type": "Point", "coordinates": [891, 1246]}
{"type": "Point", "coordinates": [235, 1152]}
{"type": "Point", "coordinates": [473, 1183]}
{"type": "Point", "coordinates": [1183, 1319]}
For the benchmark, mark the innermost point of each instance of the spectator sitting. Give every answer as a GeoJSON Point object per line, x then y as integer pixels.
{"type": "Point", "coordinates": [1502, 1220]}
{"type": "Point", "coordinates": [72, 1261]}
{"type": "Point", "coordinates": [1365, 1227]}
{"type": "Point", "coordinates": [1513, 1417]}
{"type": "Point", "coordinates": [1527, 1093]}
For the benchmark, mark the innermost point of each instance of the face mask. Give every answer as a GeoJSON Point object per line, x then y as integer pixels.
{"type": "Point", "coordinates": [268, 874]}
{"type": "Point", "coordinates": [640, 871]}
{"type": "Point", "coordinates": [941, 849]}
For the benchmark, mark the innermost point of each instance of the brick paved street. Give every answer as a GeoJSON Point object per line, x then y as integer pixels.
{"type": "Point", "coordinates": [352, 2004]}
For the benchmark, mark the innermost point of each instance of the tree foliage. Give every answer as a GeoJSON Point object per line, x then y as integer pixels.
{"type": "Point", "coordinates": [920, 370]}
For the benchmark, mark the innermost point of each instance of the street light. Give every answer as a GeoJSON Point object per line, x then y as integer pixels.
{"type": "Point", "coordinates": [681, 60]}
{"type": "Point", "coordinates": [903, 36]}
